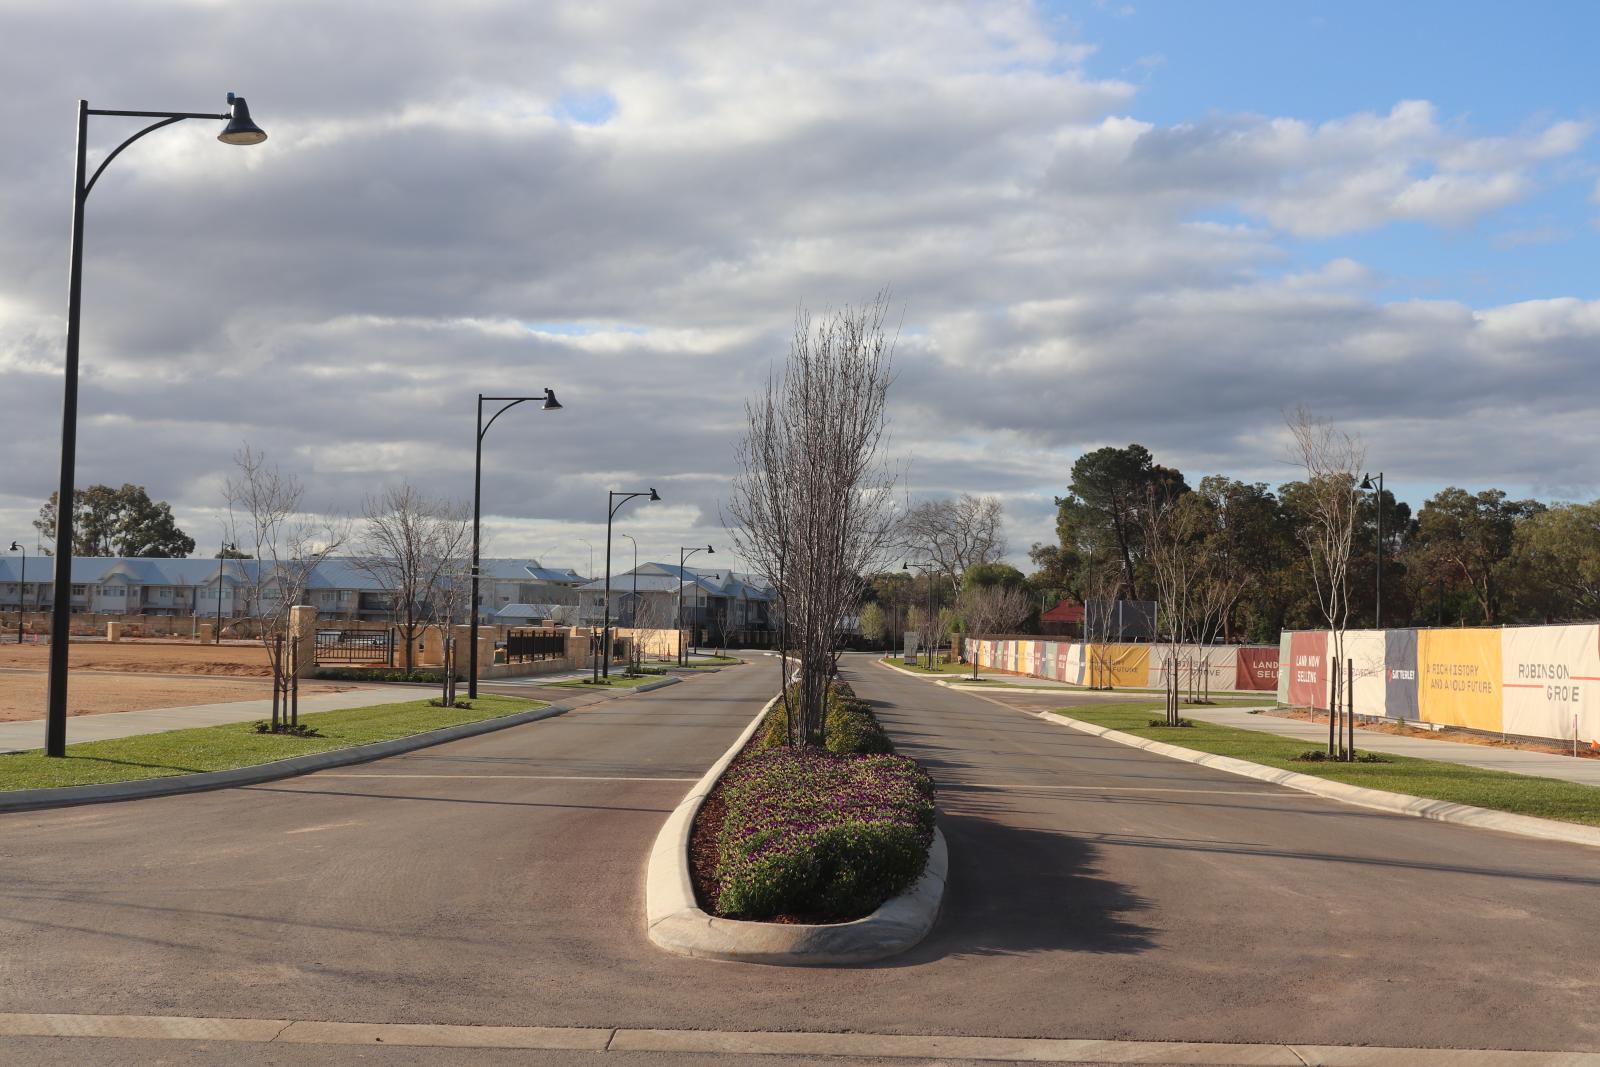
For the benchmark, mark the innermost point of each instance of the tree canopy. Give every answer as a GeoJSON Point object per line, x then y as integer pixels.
{"type": "Point", "coordinates": [117, 522]}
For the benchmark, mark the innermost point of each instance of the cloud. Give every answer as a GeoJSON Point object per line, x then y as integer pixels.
{"type": "Point", "coordinates": [628, 204]}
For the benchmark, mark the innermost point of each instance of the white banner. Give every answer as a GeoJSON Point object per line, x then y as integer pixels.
{"type": "Point", "coordinates": [1550, 674]}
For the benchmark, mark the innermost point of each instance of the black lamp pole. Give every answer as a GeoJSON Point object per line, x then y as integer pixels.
{"type": "Point", "coordinates": [612, 504]}
{"type": "Point", "coordinates": [1377, 608]}
{"type": "Point", "coordinates": [927, 572]}
{"type": "Point", "coordinates": [683, 557]}
{"type": "Point", "coordinates": [22, 588]}
{"type": "Point", "coordinates": [222, 557]}
{"type": "Point", "coordinates": [239, 130]}
{"type": "Point", "coordinates": [548, 403]}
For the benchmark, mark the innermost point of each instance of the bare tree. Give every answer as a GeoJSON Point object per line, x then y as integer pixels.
{"type": "Point", "coordinates": [812, 505]}
{"type": "Point", "coordinates": [1170, 530]}
{"type": "Point", "coordinates": [992, 609]}
{"type": "Point", "coordinates": [1102, 582]}
{"type": "Point", "coordinates": [407, 546]}
{"type": "Point", "coordinates": [956, 534]}
{"type": "Point", "coordinates": [287, 545]}
{"type": "Point", "coordinates": [1333, 460]}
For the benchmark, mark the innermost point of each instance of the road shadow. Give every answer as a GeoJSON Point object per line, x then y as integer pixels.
{"type": "Point", "coordinates": [1017, 890]}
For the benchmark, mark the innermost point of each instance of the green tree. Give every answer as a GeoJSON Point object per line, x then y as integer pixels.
{"type": "Point", "coordinates": [118, 522]}
{"type": "Point", "coordinates": [1102, 515]}
{"type": "Point", "coordinates": [1465, 540]}
{"type": "Point", "coordinates": [874, 623]}
{"type": "Point", "coordinates": [1555, 563]}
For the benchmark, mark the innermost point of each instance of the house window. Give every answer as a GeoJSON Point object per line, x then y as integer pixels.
{"type": "Point", "coordinates": [78, 590]}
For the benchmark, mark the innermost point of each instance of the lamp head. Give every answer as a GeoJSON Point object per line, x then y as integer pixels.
{"type": "Point", "coordinates": [240, 129]}
{"type": "Point", "coordinates": [16, 547]}
{"type": "Point", "coordinates": [1366, 481]}
{"type": "Point", "coordinates": [550, 401]}
{"type": "Point", "coordinates": [654, 495]}
{"type": "Point", "coordinates": [709, 550]}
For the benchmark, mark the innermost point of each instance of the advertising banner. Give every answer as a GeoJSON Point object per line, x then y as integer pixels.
{"type": "Point", "coordinates": [1551, 673]}
{"type": "Point", "coordinates": [1367, 652]}
{"type": "Point", "coordinates": [1122, 666]}
{"type": "Point", "coordinates": [1458, 675]}
{"type": "Point", "coordinates": [1285, 666]}
{"type": "Point", "coordinates": [1400, 675]}
{"type": "Point", "coordinates": [1074, 663]}
{"type": "Point", "coordinates": [1047, 660]}
{"type": "Point", "coordinates": [1308, 673]}
{"type": "Point", "coordinates": [1255, 669]}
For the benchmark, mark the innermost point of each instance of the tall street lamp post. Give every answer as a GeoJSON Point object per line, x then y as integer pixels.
{"type": "Point", "coordinates": [1377, 608]}
{"type": "Point", "coordinates": [548, 402]}
{"type": "Point", "coordinates": [927, 572]}
{"type": "Point", "coordinates": [683, 557]}
{"type": "Point", "coordinates": [240, 131]}
{"type": "Point", "coordinates": [614, 500]}
{"type": "Point", "coordinates": [22, 588]}
{"type": "Point", "coordinates": [222, 557]}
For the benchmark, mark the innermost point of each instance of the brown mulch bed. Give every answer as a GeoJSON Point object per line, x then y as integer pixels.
{"type": "Point", "coordinates": [1448, 733]}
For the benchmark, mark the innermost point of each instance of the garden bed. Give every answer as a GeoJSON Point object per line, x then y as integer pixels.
{"type": "Point", "coordinates": [813, 836]}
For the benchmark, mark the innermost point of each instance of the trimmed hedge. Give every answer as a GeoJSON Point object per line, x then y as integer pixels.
{"type": "Point", "coordinates": [814, 834]}
{"type": "Point", "coordinates": [379, 674]}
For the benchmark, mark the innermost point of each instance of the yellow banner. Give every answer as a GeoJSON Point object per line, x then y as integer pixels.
{"type": "Point", "coordinates": [1458, 678]}
{"type": "Point", "coordinates": [1128, 666]}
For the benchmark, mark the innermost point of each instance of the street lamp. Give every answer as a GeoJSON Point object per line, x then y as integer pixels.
{"type": "Point", "coordinates": [222, 557]}
{"type": "Point", "coordinates": [548, 402]}
{"type": "Point", "coordinates": [927, 571]}
{"type": "Point", "coordinates": [1377, 606]}
{"type": "Point", "coordinates": [239, 130]}
{"type": "Point", "coordinates": [590, 574]}
{"type": "Point", "coordinates": [22, 588]}
{"type": "Point", "coordinates": [612, 504]}
{"type": "Point", "coordinates": [683, 557]}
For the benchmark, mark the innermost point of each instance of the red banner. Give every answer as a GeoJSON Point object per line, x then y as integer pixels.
{"type": "Point", "coordinates": [1257, 668]}
{"type": "Point", "coordinates": [1308, 667]}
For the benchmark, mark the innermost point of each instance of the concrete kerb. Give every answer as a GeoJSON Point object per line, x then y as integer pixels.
{"type": "Point", "coordinates": [676, 923]}
{"type": "Point", "coordinates": [72, 795]}
{"type": "Point", "coordinates": [1380, 799]}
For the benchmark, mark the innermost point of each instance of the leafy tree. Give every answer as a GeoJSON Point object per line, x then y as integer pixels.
{"type": "Point", "coordinates": [1101, 517]}
{"type": "Point", "coordinates": [1465, 540]}
{"type": "Point", "coordinates": [874, 623]}
{"type": "Point", "coordinates": [1555, 560]}
{"type": "Point", "coordinates": [118, 522]}
{"type": "Point", "coordinates": [988, 575]}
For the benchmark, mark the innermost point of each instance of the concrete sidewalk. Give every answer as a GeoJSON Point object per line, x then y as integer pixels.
{"type": "Point", "coordinates": [1515, 761]}
{"type": "Point", "coordinates": [29, 734]}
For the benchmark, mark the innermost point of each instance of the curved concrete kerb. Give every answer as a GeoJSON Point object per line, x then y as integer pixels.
{"type": "Point", "coordinates": [677, 923]}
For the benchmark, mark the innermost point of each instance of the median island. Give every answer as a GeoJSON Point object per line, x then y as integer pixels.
{"type": "Point", "coordinates": [217, 748]}
{"type": "Point", "coordinates": [813, 835]}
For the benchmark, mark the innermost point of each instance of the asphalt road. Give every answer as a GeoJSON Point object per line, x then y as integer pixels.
{"type": "Point", "coordinates": [1096, 891]}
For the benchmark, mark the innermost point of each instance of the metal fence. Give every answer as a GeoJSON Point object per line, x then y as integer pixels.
{"type": "Point", "coordinates": [356, 646]}
{"type": "Point", "coordinates": [528, 646]}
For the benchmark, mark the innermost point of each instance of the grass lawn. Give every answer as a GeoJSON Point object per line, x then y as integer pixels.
{"type": "Point", "coordinates": [938, 668]}
{"type": "Point", "coordinates": [616, 681]}
{"type": "Point", "coordinates": [1547, 798]}
{"type": "Point", "coordinates": [217, 748]}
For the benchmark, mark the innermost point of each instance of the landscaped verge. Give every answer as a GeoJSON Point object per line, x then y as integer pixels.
{"type": "Point", "coordinates": [640, 682]}
{"type": "Point", "coordinates": [211, 757]}
{"type": "Point", "coordinates": [1430, 789]}
{"type": "Point", "coordinates": [779, 844]}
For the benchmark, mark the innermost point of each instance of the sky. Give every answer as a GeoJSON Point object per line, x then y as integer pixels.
{"type": "Point", "coordinates": [1099, 223]}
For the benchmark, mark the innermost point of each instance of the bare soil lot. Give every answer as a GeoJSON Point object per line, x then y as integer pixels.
{"type": "Point", "coordinates": [154, 657]}
{"type": "Point", "coordinates": [22, 695]}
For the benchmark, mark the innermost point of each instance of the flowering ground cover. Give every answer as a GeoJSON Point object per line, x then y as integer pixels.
{"type": "Point", "coordinates": [811, 834]}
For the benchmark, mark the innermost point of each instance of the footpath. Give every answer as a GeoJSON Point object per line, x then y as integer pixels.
{"type": "Point", "coordinates": [1515, 761]}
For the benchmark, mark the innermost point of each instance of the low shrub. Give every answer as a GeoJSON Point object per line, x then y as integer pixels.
{"type": "Point", "coordinates": [1318, 755]}
{"type": "Point", "coordinates": [378, 674]}
{"type": "Point", "coordinates": [814, 834]}
{"type": "Point", "coordinates": [264, 726]}
{"type": "Point", "coordinates": [438, 702]}
{"type": "Point", "coordinates": [849, 729]}
{"type": "Point", "coordinates": [1164, 722]}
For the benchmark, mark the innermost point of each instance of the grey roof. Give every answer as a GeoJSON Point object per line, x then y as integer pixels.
{"type": "Point", "coordinates": [528, 611]}
{"type": "Point", "coordinates": [664, 577]}
{"type": "Point", "coordinates": [526, 570]}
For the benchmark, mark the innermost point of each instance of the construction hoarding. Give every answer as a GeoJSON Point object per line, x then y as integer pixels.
{"type": "Point", "coordinates": [1458, 678]}
{"type": "Point", "coordinates": [1256, 669]}
{"type": "Point", "coordinates": [1551, 681]}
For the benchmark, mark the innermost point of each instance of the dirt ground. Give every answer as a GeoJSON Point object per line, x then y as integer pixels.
{"type": "Point", "coordinates": [1557, 748]}
{"type": "Point", "coordinates": [22, 695]}
{"type": "Point", "coordinates": [158, 657]}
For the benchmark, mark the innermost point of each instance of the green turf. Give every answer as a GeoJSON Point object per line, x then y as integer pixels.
{"type": "Point", "coordinates": [616, 681]}
{"type": "Point", "coordinates": [1547, 798]}
{"type": "Point", "coordinates": [216, 748]}
{"type": "Point", "coordinates": [941, 667]}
